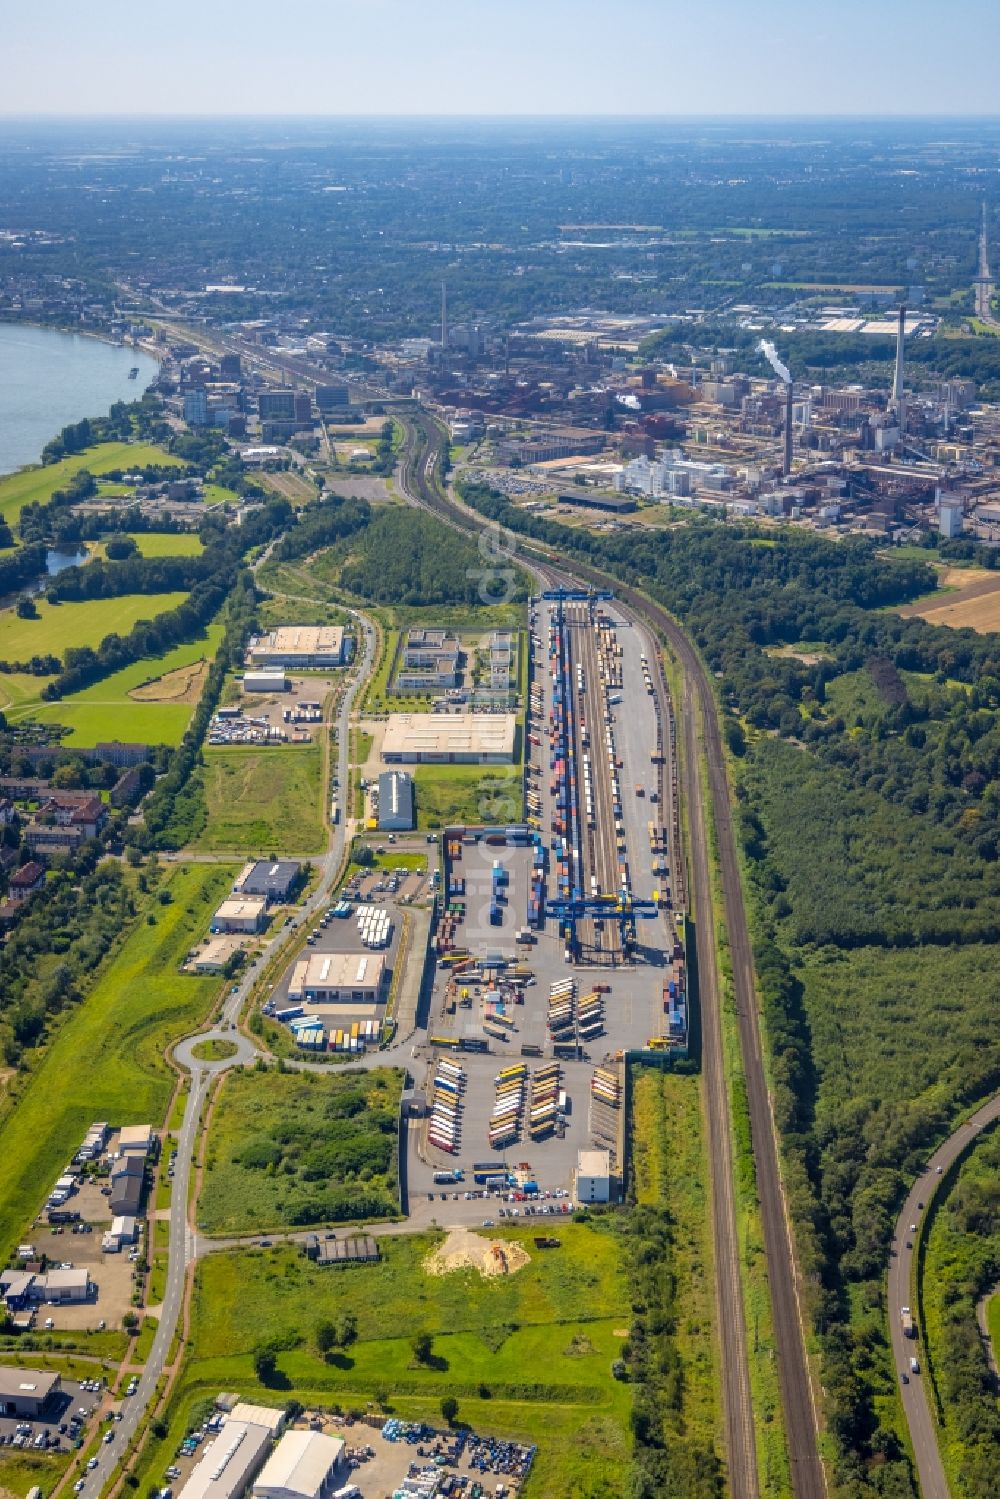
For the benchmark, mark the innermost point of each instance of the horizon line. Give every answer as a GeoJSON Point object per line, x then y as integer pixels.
{"type": "Point", "coordinates": [526, 115]}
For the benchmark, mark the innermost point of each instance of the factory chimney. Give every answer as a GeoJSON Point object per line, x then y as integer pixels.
{"type": "Point", "coordinates": [444, 315]}
{"type": "Point", "coordinates": [786, 466]}
{"type": "Point", "coordinates": [899, 399]}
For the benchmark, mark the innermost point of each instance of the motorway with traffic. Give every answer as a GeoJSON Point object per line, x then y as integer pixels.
{"type": "Point", "coordinates": [902, 1292]}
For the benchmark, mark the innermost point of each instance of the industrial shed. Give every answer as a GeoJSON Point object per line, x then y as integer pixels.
{"type": "Point", "coordinates": [302, 1466]}
{"type": "Point", "coordinates": [244, 914]}
{"type": "Point", "coordinates": [450, 738]}
{"type": "Point", "coordinates": [338, 978]}
{"type": "Point", "coordinates": [395, 801]}
{"type": "Point", "coordinates": [23, 1392]}
{"type": "Point", "coordinates": [230, 1462]}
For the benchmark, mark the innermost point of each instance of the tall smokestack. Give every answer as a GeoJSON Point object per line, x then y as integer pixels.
{"type": "Point", "coordinates": [786, 466]}
{"type": "Point", "coordinates": [444, 314]}
{"type": "Point", "coordinates": [898, 397]}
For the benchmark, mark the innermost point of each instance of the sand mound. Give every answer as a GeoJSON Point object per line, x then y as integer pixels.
{"type": "Point", "coordinates": [463, 1250]}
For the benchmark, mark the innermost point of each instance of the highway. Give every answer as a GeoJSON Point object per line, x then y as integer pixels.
{"type": "Point", "coordinates": [182, 1236]}
{"type": "Point", "coordinates": [902, 1292]}
{"type": "Point", "coordinates": [418, 483]}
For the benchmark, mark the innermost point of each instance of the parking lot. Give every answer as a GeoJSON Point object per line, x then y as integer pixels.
{"type": "Point", "coordinates": [56, 1430]}
{"type": "Point", "coordinates": [381, 1463]}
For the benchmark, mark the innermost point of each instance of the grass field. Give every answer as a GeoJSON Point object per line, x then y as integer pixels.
{"type": "Point", "coordinates": [289, 1148]}
{"type": "Point", "coordinates": [61, 625]}
{"type": "Point", "coordinates": [526, 1355]}
{"type": "Point", "coordinates": [168, 543]}
{"type": "Point", "coordinates": [108, 709]}
{"type": "Point", "coordinates": [106, 1061]}
{"type": "Point", "coordinates": [467, 793]}
{"type": "Point", "coordinates": [263, 800]}
{"type": "Point", "coordinates": [38, 484]}
{"type": "Point", "coordinates": [671, 1171]}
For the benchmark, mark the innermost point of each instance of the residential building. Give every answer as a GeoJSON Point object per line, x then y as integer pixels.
{"type": "Point", "coordinates": [126, 790]}
{"type": "Point", "coordinates": [196, 406]}
{"type": "Point", "coordinates": [26, 880]}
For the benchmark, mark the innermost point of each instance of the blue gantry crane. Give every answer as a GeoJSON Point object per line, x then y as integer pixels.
{"type": "Point", "coordinates": [623, 908]}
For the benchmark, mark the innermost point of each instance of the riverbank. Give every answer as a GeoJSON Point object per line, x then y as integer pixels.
{"type": "Point", "coordinates": [51, 377]}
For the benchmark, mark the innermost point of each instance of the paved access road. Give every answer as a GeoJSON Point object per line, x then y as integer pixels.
{"type": "Point", "coordinates": [182, 1239]}
{"type": "Point", "coordinates": [916, 1406]}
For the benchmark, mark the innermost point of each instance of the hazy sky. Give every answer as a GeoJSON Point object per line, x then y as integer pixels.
{"type": "Point", "coordinates": [500, 57]}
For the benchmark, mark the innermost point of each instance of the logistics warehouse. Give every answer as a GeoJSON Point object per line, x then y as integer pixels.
{"type": "Point", "coordinates": [338, 978]}
{"type": "Point", "coordinates": [299, 646]}
{"type": "Point", "coordinates": [450, 738]}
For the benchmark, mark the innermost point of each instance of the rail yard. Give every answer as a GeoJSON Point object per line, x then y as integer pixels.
{"type": "Point", "coordinates": [561, 948]}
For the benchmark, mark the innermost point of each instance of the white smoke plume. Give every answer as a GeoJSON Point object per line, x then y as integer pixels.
{"type": "Point", "coordinates": [770, 353]}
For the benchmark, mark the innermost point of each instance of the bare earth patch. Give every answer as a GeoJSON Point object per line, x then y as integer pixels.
{"type": "Point", "coordinates": [183, 685]}
{"type": "Point", "coordinates": [463, 1250]}
{"type": "Point", "coordinates": [972, 601]}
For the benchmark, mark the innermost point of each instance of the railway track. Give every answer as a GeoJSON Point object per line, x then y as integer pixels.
{"type": "Point", "coordinates": [800, 1416]}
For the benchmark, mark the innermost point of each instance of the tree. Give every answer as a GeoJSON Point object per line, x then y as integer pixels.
{"type": "Point", "coordinates": [449, 1409]}
{"type": "Point", "coordinates": [26, 608]}
{"type": "Point", "coordinates": [326, 1337]}
{"type": "Point", "coordinates": [347, 1330]}
{"type": "Point", "coordinates": [265, 1365]}
{"type": "Point", "coordinates": [120, 547]}
{"type": "Point", "coordinates": [423, 1347]}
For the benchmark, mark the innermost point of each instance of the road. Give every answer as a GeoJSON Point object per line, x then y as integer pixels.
{"type": "Point", "coordinates": [916, 1406]}
{"type": "Point", "coordinates": [182, 1237]}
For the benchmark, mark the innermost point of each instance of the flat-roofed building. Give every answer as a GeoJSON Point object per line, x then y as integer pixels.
{"type": "Point", "coordinates": [272, 879]}
{"type": "Point", "coordinates": [230, 1462]}
{"type": "Point", "coordinates": [266, 679]}
{"type": "Point", "coordinates": [395, 801]}
{"type": "Point", "coordinates": [450, 738]}
{"type": "Point", "coordinates": [298, 646]}
{"type": "Point", "coordinates": [24, 1392]}
{"type": "Point", "coordinates": [259, 1415]}
{"type": "Point", "coordinates": [216, 955]}
{"type": "Point", "coordinates": [593, 1176]}
{"type": "Point", "coordinates": [135, 1139]}
{"type": "Point", "coordinates": [338, 978]}
{"type": "Point", "coordinates": [66, 1285]}
{"type": "Point", "coordinates": [302, 1466]}
{"type": "Point", "coordinates": [241, 914]}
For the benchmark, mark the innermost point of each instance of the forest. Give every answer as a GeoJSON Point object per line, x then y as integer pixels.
{"type": "Point", "coordinates": [408, 557]}
{"type": "Point", "coordinates": [867, 779]}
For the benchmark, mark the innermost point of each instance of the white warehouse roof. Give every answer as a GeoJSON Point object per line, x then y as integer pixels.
{"type": "Point", "coordinates": [299, 1465]}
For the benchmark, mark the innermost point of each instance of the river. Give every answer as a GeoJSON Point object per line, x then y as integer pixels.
{"type": "Point", "coordinates": [48, 379]}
